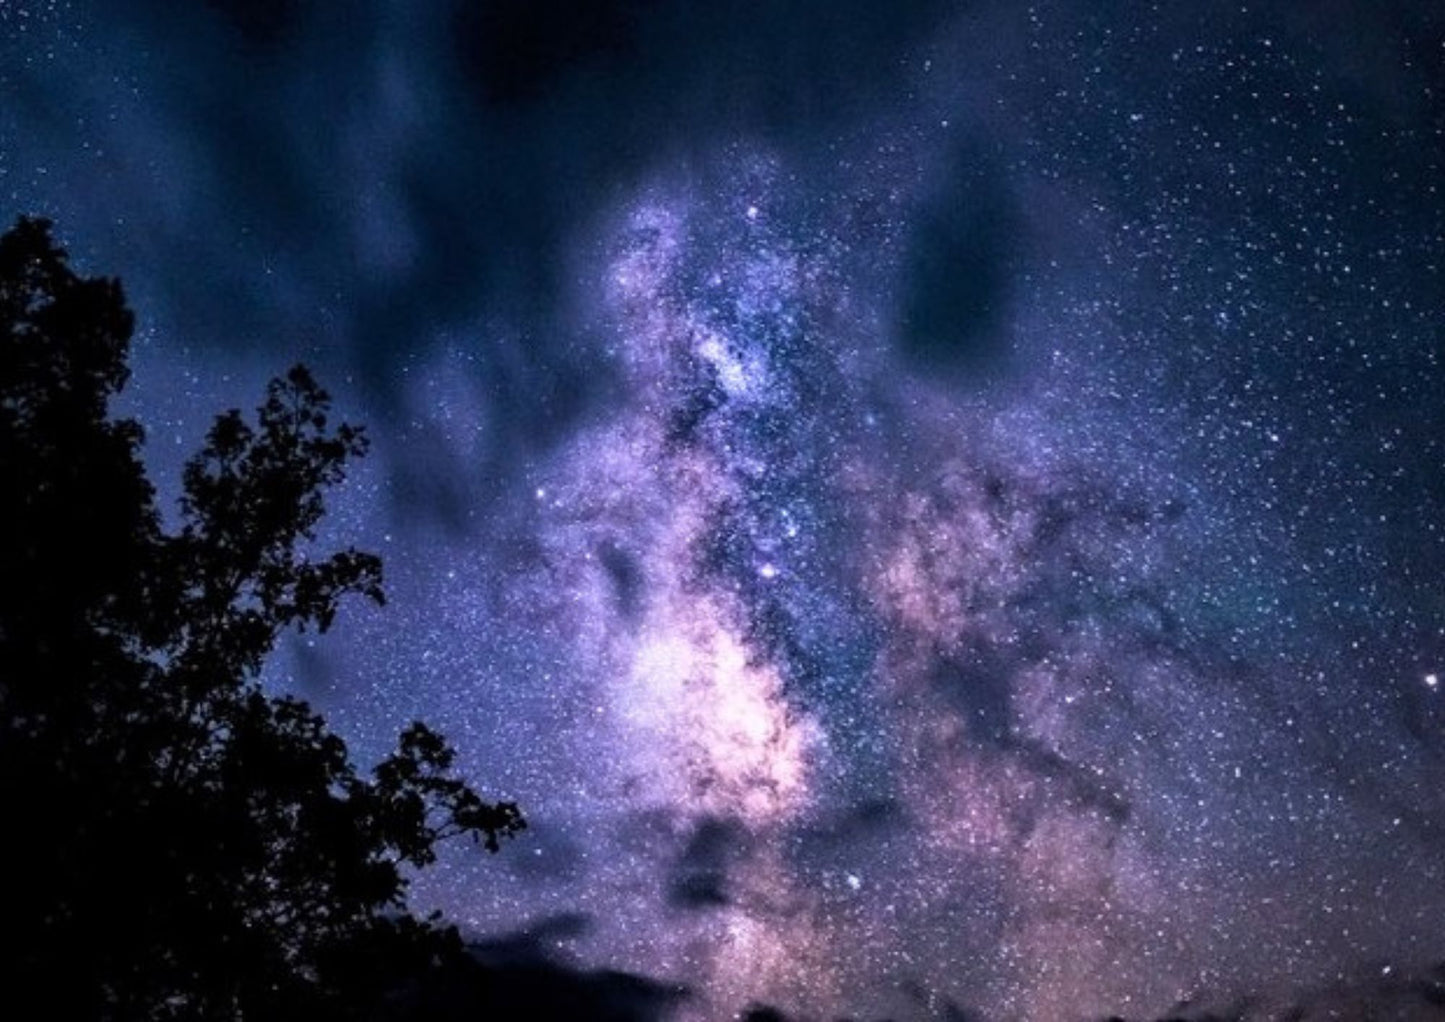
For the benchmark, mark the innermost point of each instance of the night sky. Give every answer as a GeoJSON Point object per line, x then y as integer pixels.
{"type": "Point", "coordinates": [933, 509]}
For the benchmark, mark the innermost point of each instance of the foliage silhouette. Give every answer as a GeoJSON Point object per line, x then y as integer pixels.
{"type": "Point", "coordinates": [183, 845]}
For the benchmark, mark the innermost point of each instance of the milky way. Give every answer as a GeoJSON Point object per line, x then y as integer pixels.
{"type": "Point", "coordinates": [932, 516]}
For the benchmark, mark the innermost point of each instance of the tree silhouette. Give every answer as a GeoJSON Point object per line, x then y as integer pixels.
{"type": "Point", "coordinates": [181, 844]}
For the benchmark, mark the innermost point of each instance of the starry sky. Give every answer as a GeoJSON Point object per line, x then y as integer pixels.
{"type": "Point", "coordinates": [935, 509]}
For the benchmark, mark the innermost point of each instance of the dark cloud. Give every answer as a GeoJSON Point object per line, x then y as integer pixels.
{"type": "Point", "coordinates": [537, 942]}
{"type": "Point", "coordinates": [353, 189]}
{"type": "Point", "coordinates": [518, 51]}
{"type": "Point", "coordinates": [924, 1005]}
{"type": "Point", "coordinates": [699, 889]}
{"type": "Point", "coordinates": [625, 574]}
{"type": "Point", "coordinates": [700, 876]}
{"type": "Point", "coordinates": [977, 682]}
{"type": "Point", "coordinates": [763, 1013]}
{"type": "Point", "coordinates": [853, 834]}
{"type": "Point", "coordinates": [523, 976]}
{"type": "Point", "coordinates": [1081, 789]}
{"type": "Point", "coordinates": [393, 202]}
{"type": "Point", "coordinates": [787, 71]}
{"type": "Point", "coordinates": [1399, 995]}
{"type": "Point", "coordinates": [261, 23]}
{"type": "Point", "coordinates": [958, 272]}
